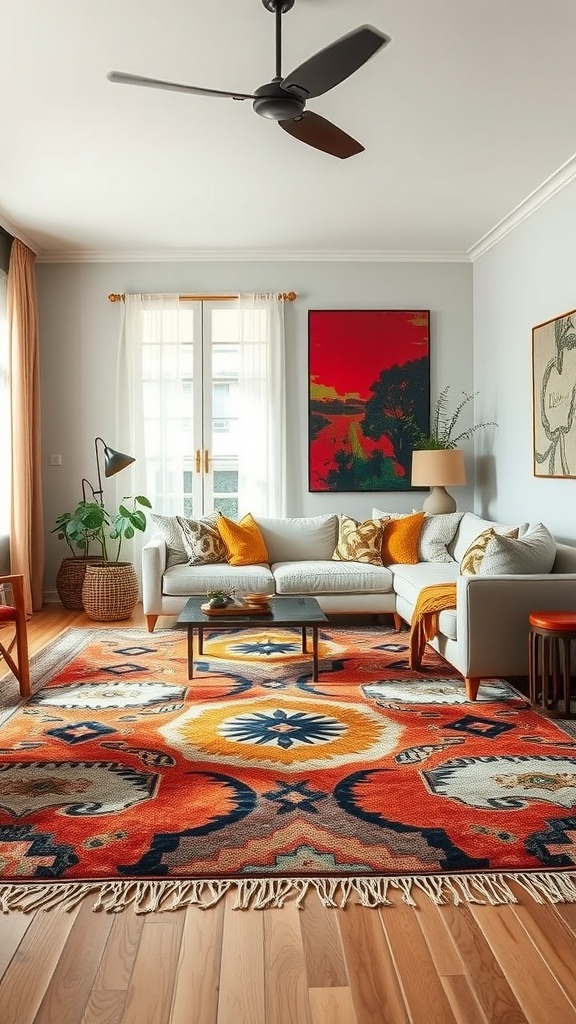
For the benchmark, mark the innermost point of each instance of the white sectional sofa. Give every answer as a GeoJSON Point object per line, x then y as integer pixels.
{"type": "Point", "coordinates": [485, 636]}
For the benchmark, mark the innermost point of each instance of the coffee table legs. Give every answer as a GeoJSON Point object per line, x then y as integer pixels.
{"type": "Point", "coordinates": [190, 649]}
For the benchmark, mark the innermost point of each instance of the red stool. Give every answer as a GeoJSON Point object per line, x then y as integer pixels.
{"type": "Point", "coordinates": [550, 639]}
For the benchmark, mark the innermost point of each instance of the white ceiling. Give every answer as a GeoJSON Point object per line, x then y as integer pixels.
{"type": "Point", "coordinates": [467, 111]}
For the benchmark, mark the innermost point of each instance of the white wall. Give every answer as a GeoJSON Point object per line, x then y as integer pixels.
{"type": "Point", "coordinates": [78, 341]}
{"type": "Point", "coordinates": [525, 279]}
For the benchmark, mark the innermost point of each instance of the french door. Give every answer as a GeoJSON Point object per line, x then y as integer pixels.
{"type": "Point", "coordinates": [190, 408]}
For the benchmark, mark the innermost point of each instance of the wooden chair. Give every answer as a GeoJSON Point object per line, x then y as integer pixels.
{"type": "Point", "coordinates": [14, 615]}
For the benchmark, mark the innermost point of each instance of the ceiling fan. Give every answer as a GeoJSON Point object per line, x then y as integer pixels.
{"type": "Point", "coordinates": [284, 98]}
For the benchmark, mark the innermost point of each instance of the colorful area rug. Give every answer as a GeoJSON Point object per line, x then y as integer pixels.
{"type": "Point", "coordinates": [120, 778]}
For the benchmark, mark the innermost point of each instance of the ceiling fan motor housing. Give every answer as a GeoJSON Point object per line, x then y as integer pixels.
{"type": "Point", "coordinates": [276, 103]}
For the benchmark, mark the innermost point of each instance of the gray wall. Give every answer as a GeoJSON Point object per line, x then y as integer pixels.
{"type": "Point", "coordinates": [79, 331]}
{"type": "Point", "coordinates": [527, 278]}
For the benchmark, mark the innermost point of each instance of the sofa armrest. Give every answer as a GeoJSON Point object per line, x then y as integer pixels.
{"type": "Point", "coordinates": [153, 566]}
{"type": "Point", "coordinates": [492, 618]}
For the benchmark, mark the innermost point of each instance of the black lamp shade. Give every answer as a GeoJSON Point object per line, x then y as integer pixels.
{"type": "Point", "coordinates": [114, 461]}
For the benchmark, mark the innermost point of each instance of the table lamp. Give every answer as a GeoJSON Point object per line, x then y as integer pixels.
{"type": "Point", "coordinates": [438, 468]}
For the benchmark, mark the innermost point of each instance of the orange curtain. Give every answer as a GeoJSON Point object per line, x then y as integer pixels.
{"type": "Point", "coordinates": [27, 519]}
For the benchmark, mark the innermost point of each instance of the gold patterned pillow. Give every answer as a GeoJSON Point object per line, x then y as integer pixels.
{"type": "Point", "coordinates": [202, 541]}
{"type": "Point", "coordinates": [475, 554]}
{"type": "Point", "coordinates": [359, 542]}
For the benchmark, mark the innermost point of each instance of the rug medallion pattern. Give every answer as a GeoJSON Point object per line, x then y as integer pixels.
{"type": "Point", "coordinates": [119, 768]}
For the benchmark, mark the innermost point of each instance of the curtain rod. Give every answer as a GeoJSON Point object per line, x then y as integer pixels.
{"type": "Point", "coordinates": [286, 296]}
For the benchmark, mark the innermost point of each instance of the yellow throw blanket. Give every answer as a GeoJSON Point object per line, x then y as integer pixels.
{"type": "Point", "coordinates": [431, 601]}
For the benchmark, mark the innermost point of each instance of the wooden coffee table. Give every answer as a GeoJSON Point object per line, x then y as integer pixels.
{"type": "Point", "coordinates": [301, 612]}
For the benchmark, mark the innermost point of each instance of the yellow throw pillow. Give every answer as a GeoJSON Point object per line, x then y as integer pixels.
{"type": "Point", "coordinates": [359, 542]}
{"type": "Point", "coordinates": [243, 541]}
{"type": "Point", "coordinates": [401, 538]}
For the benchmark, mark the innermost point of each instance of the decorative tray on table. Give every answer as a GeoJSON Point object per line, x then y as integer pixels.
{"type": "Point", "coordinates": [247, 606]}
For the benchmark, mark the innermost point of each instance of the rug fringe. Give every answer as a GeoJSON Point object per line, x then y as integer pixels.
{"type": "Point", "coordinates": [145, 897]}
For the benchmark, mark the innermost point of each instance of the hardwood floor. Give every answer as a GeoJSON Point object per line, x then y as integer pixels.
{"type": "Point", "coordinates": [469, 964]}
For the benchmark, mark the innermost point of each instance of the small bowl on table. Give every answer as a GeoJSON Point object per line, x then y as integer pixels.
{"type": "Point", "coordinates": [256, 599]}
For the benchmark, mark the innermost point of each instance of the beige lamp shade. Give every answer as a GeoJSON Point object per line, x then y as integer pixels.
{"type": "Point", "coordinates": [438, 469]}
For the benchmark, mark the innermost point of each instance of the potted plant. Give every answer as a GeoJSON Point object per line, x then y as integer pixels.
{"type": "Point", "coordinates": [79, 528]}
{"type": "Point", "coordinates": [110, 588]}
{"type": "Point", "coordinates": [90, 528]}
{"type": "Point", "coordinates": [441, 435]}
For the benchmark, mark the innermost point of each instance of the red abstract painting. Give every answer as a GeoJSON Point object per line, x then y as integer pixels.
{"type": "Point", "coordinates": [369, 376]}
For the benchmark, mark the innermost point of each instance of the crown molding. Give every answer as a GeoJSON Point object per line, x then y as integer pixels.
{"type": "Point", "coordinates": [549, 188]}
{"type": "Point", "coordinates": [17, 233]}
{"type": "Point", "coordinates": [252, 256]}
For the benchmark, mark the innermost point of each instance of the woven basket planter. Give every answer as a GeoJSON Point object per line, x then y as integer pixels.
{"type": "Point", "coordinates": [110, 591]}
{"type": "Point", "coordinates": [70, 579]}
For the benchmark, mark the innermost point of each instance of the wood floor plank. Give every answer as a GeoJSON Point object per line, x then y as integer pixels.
{"type": "Point", "coordinates": [242, 999]}
{"type": "Point", "coordinates": [332, 1006]}
{"type": "Point", "coordinates": [287, 1000]}
{"type": "Point", "coordinates": [496, 998]}
{"type": "Point", "coordinates": [463, 1001]}
{"type": "Point", "coordinates": [149, 996]}
{"type": "Point", "coordinates": [534, 986]}
{"type": "Point", "coordinates": [322, 945]}
{"type": "Point", "coordinates": [31, 968]}
{"type": "Point", "coordinates": [555, 942]}
{"type": "Point", "coordinates": [69, 990]}
{"type": "Point", "coordinates": [198, 972]}
{"type": "Point", "coordinates": [441, 946]}
{"type": "Point", "coordinates": [424, 994]}
{"type": "Point", "coordinates": [374, 986]}
{"type": "Point", "coordinates": [14, 927]}
{"type": "Point", "coordinates": [108, 996]}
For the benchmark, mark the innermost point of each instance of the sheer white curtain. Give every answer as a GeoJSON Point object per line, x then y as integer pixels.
{"type": "Point", "coordinates": [262, 405]}
{"type": "Point", "coordinates": [148, 404]}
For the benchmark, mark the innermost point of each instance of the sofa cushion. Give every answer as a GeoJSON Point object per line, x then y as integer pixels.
{"type": "Point", "coordinates": [401, 537]}
{"type": "Point", "coordinates": [409, 579]}
{"type": "Point", "coordinates": [359, 542]}
{"type": "Point", "coordinates": [187, 580]}
{"type": "Point", "coordinates": [534, 552]}
{"type": "Point", "coordinates": [329, 577]}
{"type": "Point", "coordinates": [471, 526]}
{"type": "Point", "coordinates": [243, 541]}
{"type": "Point", "coordinates": [202, 540]}
{"type": "Point", "coordinates": [300, 538]}
{"type": "Point", "coordinates": [437, 533]}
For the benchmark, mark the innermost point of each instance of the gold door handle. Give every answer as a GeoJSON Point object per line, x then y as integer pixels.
{"type": "Point", "coordinates": [206, 461]}
{"type": "Point", "coordinates": [197, 460]}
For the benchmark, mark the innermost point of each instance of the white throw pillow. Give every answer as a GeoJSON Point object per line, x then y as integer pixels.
{"type": "Point", "coordinates": [169, 527]}
{"type": "Point", "coordinates": [437, 533]}
{"type": "Point", "coordinates": [532, 553]}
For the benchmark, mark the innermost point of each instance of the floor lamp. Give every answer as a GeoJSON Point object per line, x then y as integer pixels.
{"type": "Point", "coordinates": [438, 469]}
{"type": "Point", "coordinates": [114, 462]}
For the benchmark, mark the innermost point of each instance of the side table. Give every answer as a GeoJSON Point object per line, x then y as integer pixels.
{"type": "Point", "coordinates": [549, 657]}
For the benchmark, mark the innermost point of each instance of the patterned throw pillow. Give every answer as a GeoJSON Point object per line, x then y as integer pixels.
{"type": "Point", "coordinates": [170, 529]}
{"type": "Point", "coordinates": [497, 553]}
{"type": "Point", "coordinates": [473, 558]}
{"type": "Point", "coordinates": [201, 540]}
{"type": "Point", "coordinates": [359, 542]}
{"type": "Point", "coordinates": [400, 543]}
{"type": "Point", "coordinates": [437, 533]}
{"type": "Point", "coordinates": [243, 541]}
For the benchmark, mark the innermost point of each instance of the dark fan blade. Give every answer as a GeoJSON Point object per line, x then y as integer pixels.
{"type": "Point", "coordinates": [316, 131]}
{"type": "Point", "coordinates": [336, 62]}
{"type": "Point", "coordinates": [156, 83]}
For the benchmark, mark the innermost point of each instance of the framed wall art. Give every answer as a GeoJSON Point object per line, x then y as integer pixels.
{"type": "Point", "coordinates": [369, 379]}
{"type": "Point", "coordinates": [554, 396]}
